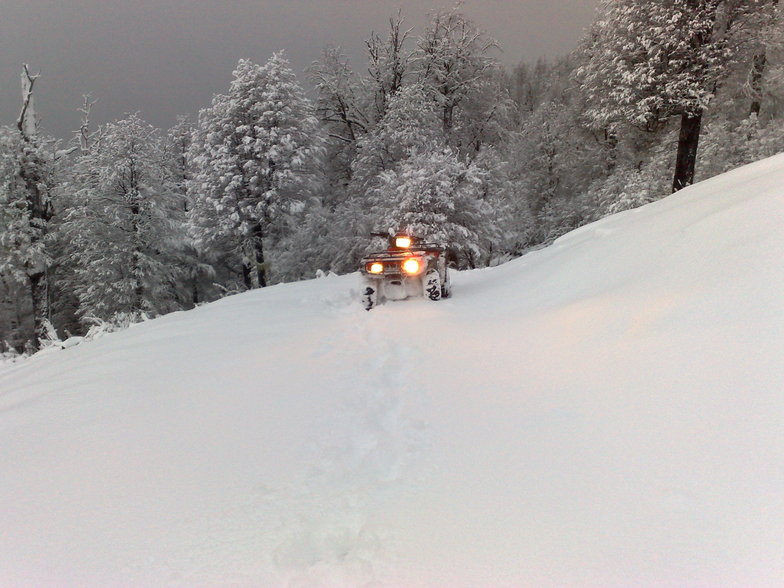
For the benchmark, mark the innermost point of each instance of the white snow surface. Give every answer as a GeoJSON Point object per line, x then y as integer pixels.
{"type": "Point", "coordinates": [608, 411]}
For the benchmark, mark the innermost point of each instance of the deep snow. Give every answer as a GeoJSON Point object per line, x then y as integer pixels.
{"type": "Point", "coordinates": [608, 411]}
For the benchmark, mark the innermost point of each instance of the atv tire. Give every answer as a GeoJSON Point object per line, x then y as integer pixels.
{"type": "Point", "coordinates": [433, 285]}
{"type": "Point", "coordinates": [446, 286]}
{"type": "Point", "coordinates": [370, 296]}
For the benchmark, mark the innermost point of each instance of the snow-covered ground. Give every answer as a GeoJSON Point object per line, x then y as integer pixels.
{"type": "Point", "coordinates": [608, 411]}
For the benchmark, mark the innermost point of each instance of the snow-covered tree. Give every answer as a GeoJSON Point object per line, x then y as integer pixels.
{"type": "Point", "coordinates": [339, 103]}
{"type": "Point", "coordinates": [389, 63]}
{"type": "Point", "coordinates": [528, 84]}
{"type": "Point", "coordinates": [728, 144]}
{"type": "Point", "coordinates": [345, 115]}
{"type": "Point", "coordinates": [436, 196]}
{"type": "Point", "coordinates": [26, 186]}
{"type": "Point", "coordinates": [200, 275]}
{"type": "Point", "coordinates": [178, 142]}
{"type": "Point", "coordinates": [453, 60]}
{"type": "Point", "coordinates": [255, 154]}
{"type": "Point", "coordinates": [762, 34]}
{"type": "Point", "coordinates": [650, 61]}
{"type": "Point", "coordinates": [123, 231]}
{"type": "Point", "coordinates": [411, 121]}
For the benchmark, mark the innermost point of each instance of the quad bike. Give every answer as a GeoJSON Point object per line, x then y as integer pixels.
{"type": "Point", "coordinates": [409, 267]}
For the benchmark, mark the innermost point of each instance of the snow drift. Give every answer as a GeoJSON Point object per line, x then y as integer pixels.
{"type": "Point", "coordinates": [608, 411]}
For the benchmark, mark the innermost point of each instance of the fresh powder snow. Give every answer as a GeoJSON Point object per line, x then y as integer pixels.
{"type": "Point", "coordinates": [608, 411]}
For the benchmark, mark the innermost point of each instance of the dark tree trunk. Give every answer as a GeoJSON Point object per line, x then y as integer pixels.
{"type": "Point", "coordinates": [246, 276]}
{"type": "Point", "coordinates": [39, 207]}
{"type": "Point", "coordinates": [39, 294]}
{"type": "Point", "coordinates": [611, 140]}
{"type": "Point", "coordinates": [258, 250]}
{"type": "Point", "coordinates": [136, 258]}
{"type": "Point", "coordinates": [254, 272]}
{"type": "Point", "coordinates": [40, 213]}
{"type": "Point", "coordinates": [448, 118]}
{"type": "Point", "coordinates": [688, 141]}
{"type": "Point", "coordinates": [757, 71]}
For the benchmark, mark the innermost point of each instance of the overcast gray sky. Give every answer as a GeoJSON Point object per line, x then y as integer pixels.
{"type": "Point", "coordinates": [168, 57]}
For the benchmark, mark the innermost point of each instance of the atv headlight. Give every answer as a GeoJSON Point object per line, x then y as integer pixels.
{"type": "Point", "coordinates": [411, 265]}
{"type": "Point", "coordinates": [375, 268]}
{"type": "Point", "coordinates": [403, 242]}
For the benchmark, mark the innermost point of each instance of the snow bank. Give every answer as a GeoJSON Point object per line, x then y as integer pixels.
{"type": "Point", "coordinates": [604, 412]}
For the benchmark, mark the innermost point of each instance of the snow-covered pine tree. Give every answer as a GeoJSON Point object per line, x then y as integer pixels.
{"type": "Point", "coordinates": [255, 155]}
{"type": "Point", "coordinates": [125, 227]}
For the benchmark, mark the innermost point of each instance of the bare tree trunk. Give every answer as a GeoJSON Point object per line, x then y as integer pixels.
{"type": "Point", "coordinates": [39, 207]}
{"type": "Point", "coordinates": [246, 279]}
{"type": "Point", "coordinates": [688, 141]}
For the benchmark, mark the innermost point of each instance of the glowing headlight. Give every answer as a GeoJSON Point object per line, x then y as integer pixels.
{"type": "Point", "coordinates": [376, 268]}
{"type": "Point", "coordinates": [411, 265]}
{"type": "Point", "coordinates": [403, 242]}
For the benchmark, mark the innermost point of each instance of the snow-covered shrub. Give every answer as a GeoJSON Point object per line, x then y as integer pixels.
{"type": "Point", "coordinates": [119, 322]}
{"type": "Point", "coordinates": [9, 354]}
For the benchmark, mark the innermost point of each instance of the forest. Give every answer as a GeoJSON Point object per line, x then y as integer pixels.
{"type": "Point", "coordinates": [285, 177]}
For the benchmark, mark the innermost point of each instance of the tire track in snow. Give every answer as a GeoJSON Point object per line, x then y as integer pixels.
{"type": "Point", "coordinates": [362, 453]}
{"type": "Point", "coordinates": [323, 529]}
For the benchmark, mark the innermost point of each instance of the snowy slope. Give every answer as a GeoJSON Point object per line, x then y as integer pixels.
{"type": "Point", "coordinates": [608, 411]}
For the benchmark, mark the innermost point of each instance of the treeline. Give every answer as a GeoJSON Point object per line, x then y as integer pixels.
{"type": "Point", "coordinates": [267, 185]}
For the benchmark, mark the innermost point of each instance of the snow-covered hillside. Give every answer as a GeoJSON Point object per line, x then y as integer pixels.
{"type": "Point", "coordinates": [608, 411]}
